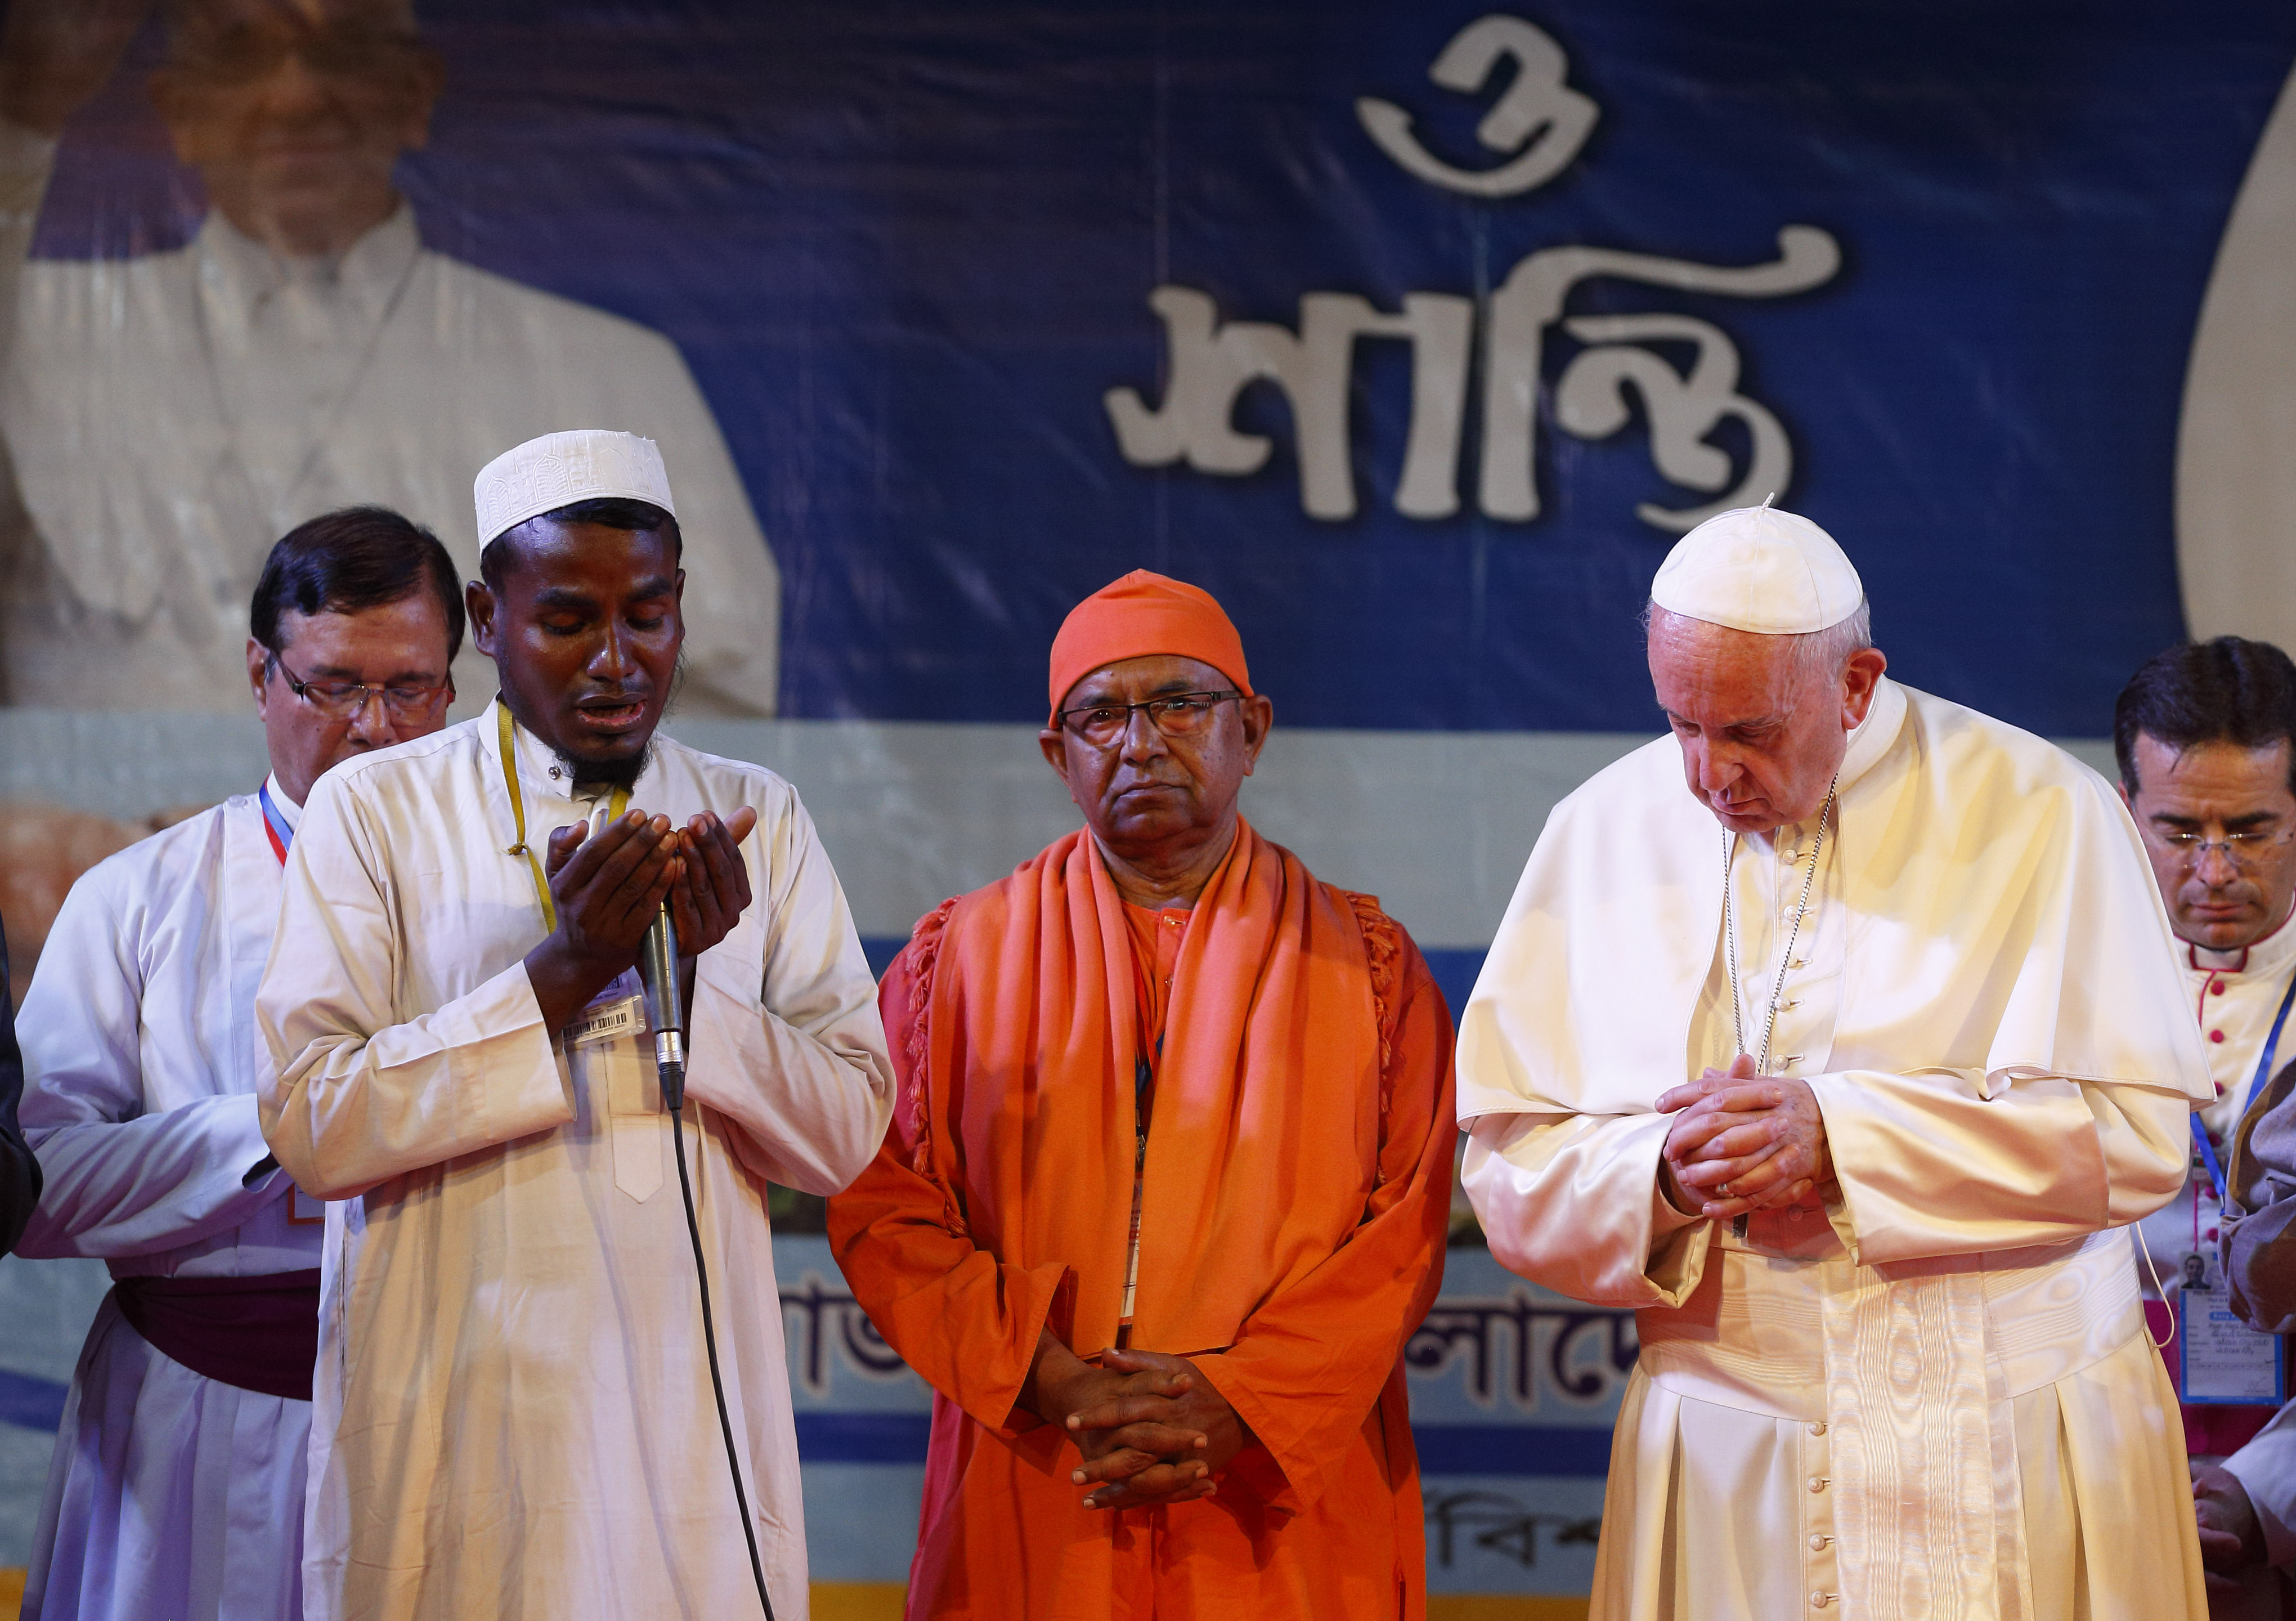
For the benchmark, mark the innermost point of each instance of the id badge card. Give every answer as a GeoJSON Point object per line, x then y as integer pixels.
{"type": "Point", "coordinates": [2221, 1360]}
{"type": "Point", "coordinates": [616, 1011]}
{"type": "Point", "coordinates": [304, 1211]}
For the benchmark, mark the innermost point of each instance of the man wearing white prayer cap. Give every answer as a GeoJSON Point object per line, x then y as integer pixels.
{"type": "Point", "coordinates": [514, 1411]}
{"type": "Point", "coordinates": [1840, 1036]}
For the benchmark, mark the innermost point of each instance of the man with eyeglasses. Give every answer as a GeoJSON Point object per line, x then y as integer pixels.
{"type": "Point", "coordinates": [163, 411]}
{"type": "Point", "coordinates": [1167, 1183]}
{"type": "Point", "coordinates": [2205, 738]}
{"type": "Point", "coordinates": [176, 1484]}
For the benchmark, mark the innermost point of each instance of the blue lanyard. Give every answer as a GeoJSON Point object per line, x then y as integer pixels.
{"type": "Point", "coordinates": [2256, 1082]}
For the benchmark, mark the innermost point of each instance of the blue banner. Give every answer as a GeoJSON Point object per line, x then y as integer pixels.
{"type": "Point", "coordinates": [1413, 332]}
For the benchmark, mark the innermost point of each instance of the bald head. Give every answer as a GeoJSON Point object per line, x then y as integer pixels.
{"type": "Point", "coordinates": [1763, 721]}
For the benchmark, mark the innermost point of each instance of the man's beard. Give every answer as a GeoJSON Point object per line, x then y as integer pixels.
{"type": "Point", "coordinates": [623, 773]}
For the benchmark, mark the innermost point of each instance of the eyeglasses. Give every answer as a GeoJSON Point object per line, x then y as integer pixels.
{"type": "Point", "coordinates": [2245, 851]}
{"type": "Point", "coordinates": [346, 700]}
{"type": "Point", "coordinates": [1180, 714]}
{"type": "Point", "coordinates": [339, 50]}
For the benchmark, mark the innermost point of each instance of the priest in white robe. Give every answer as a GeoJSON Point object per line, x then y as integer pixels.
{"type": "Point", "coordinates": [175, 1488]}
{"type": "Point", "coordinates": [167, 414]}
{"type": "Point", "coordinates": [2205, 734]}
{"type": "Point", "coordinates": [512, 1411]}
{"type": "Point", "coordinates": [1839, 1034]}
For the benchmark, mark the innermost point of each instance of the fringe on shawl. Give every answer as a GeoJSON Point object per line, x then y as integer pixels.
{"type": "Point", "coordinates": [1382, 946]}
{"type": "Point", "coordinates": [924, 959]}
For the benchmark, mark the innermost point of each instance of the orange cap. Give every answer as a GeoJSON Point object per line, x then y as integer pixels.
{"type": "Point", "coordinates": [1140, 614]}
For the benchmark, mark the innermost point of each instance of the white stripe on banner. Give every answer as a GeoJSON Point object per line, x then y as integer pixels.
{"type": "Point", "coordinates": [1436, 824]}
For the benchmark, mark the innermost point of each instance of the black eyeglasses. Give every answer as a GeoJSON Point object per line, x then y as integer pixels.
{"type": "Point", "coordinates": [1179, 714]}
{"type": "Point", "coordinates": [345, 700]}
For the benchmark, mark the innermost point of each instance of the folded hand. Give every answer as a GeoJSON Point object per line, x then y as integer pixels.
{"type": "Point", "coordinates": [1159, 1440]}
{"type": "Point", "coordinates": [1743, 1141]}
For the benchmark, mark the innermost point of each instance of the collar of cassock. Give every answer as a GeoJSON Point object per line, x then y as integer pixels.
{"type": "Point", "coordinates": [1885, 716]}
{"type": "Point", "coordinates": [238, 274]}
{"type": "Point", "coordinates": [2269, 957]}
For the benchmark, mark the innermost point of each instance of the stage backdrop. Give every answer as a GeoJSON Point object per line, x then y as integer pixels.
{"type": "Point", "coordinates": [1415, 333]}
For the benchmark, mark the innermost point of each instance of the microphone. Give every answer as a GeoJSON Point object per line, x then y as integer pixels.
{"type": "Point", "coordinates": [665, 1007]}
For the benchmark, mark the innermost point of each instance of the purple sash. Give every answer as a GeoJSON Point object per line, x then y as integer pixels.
{"type": "Point", "coordinates": [258, 1334]}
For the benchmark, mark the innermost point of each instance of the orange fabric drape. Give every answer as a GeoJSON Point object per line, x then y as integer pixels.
{"type": "Point", "coordinates": [1296, 1193]}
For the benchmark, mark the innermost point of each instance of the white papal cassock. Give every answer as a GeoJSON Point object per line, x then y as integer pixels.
{"type": "Point", "coordinates": [169, 1494]}
{"type": "Point", "coordinates": [512, 1411]}
{"type": "Point", "coordinates": [1936, 1397]}
{"type": "Point", "coordinates": [168, 416]}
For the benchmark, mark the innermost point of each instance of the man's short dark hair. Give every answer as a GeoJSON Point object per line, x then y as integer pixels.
{"type": "Point", "coordinates": [609, 512]}
{"type": "Point", "coordinates": [2230, 690]}
{"type": "Point", "coordinates": [357, 558]}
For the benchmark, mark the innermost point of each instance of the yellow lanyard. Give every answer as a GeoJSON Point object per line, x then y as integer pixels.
{"type": "Point", "coordinates": [617, 806]}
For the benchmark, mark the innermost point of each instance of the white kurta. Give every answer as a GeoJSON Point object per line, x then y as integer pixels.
{"type": "Point", "coordinates": [170, 415]}
{"type": "Point", "coordinates": [512, 1410]}
{"type": "Point", "coordinates": [170, 1494]}
{"type": "Point", "coordinates": [1935, 1397]}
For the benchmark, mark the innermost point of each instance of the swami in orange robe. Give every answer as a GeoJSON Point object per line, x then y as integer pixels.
{"type": "Point", "coordinates": [1290, 1058]}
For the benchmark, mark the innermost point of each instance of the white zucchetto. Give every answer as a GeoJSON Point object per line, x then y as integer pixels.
{"type": "Point", "coordinates": [560, 469]}
{"type": "Point", "coordinates": [1758, 569]}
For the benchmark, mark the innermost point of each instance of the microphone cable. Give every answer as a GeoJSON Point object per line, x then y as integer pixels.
{"type": "Point", "coordinates": [673, 1091]}
{"type": "Point", "coordinates": [661, 973]}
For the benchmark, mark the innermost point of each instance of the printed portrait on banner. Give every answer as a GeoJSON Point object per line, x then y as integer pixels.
{"type": "Point", "coordinates": [170, 408]}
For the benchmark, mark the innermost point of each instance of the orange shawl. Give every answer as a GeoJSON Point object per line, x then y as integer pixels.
{"type": "Point", "coordinates": [1276, 1066]}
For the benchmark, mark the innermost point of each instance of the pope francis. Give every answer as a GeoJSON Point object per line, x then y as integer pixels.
{"type": "Point", "coordinates": [1846, 1067]}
